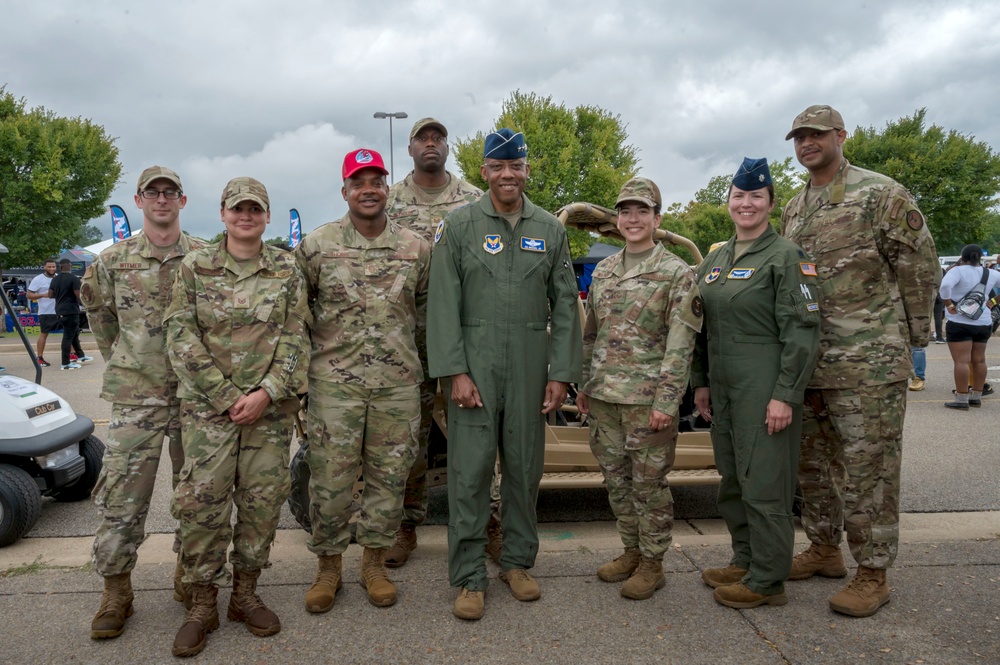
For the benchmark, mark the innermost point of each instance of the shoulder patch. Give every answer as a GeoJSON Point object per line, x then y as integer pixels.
{"type": "Point", "coordinates": [438, 232]}
{"type": "Point", "coordinates": [894, 211]}
{"type": "Point", "coordinates": [697, 306]}
{"type": "Point", "coordinates": [808, 269]}
{"type": "Point", "coordinates": [915, 220]}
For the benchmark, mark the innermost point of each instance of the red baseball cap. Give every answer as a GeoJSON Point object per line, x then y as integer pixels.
{"type": "Point", "coordinates": [363, 158]}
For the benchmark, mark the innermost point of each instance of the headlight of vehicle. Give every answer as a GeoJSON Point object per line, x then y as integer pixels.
{"type": "Point", "coordinates": [59, 457]}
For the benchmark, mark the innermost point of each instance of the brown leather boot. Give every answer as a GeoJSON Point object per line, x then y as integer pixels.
{"type": "Point", "coordinates": [201, 619]}
{"type": "Point", "coordinates": [320, 596]}
{"type": "Point", "coordinates": [822, 560]}
{"type": "Point", "coordinates": [406, 542]}
{"type": "Point", "coordinates": [494, 539]}
{"type": "Point", "coordinates": [647, 578]}
{"type": "Point", "coordinates": [863, 597]}
{"type": "Point", "coordinates": [381, 592]}
{"type": "Point", "coordinates": [622, 567]}
{"type": "Point", "coordinates": [180, 589]}
{"type": "Point", "coordinates": [718, 577]}
{"type": "Point", "coordinates": [246, 606]}
{"type": "Point", "coordinates": [742, 597]}
{"type": "Point", "coordinates": [116, 606]}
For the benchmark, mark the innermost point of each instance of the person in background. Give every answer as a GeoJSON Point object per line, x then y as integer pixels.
{"type": "Point", "coordinates": [65, 290]}
{"type": "Point", "coordinates": [48, 320]}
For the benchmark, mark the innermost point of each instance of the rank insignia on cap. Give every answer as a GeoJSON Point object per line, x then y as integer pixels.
{"type": "Point", "coordinates": [808, 269]}
{"type": "Point", "coordinates": [438, 231]}
{"type": "Point", "coordinates": [713, 275]}
{"type": "Point", "coordinates": [493, 244]}
{"type": "Point", "coordinates": [533, 244]}
{"type": "Point", "coordinates": [741, 273]}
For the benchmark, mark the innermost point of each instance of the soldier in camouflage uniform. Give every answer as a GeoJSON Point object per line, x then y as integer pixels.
{"type": "Point", "coordinates": [643, 313]}
{"type": "Point", "coordinates": [752, 362]}
{"type": "Point", "coordinates": [419, 202]}
{"type": "Point", "coordinates": [366, 279]}
{"type": "Point", "coordinates": [238, 338]}
{"type": "Point", "coordinates": [878, 273]}
{"type": "Point", "coordinates": [126, 291]}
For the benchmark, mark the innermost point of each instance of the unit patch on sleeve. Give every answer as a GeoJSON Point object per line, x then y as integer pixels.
{"type": "Point", "coordinates": [808, 269]}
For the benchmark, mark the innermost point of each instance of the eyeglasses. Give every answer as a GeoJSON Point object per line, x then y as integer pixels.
{"type": "Point", "coordinates": [500, 166]}
{"type": "Point", "coordinates": [169, 194]}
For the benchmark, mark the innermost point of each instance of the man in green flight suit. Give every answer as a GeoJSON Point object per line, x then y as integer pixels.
{"type": "Point", "coordinates": [500, 272]}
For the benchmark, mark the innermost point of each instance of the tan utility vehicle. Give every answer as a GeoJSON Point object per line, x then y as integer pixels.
{"type": "Point", "coordinates": [569, 462]}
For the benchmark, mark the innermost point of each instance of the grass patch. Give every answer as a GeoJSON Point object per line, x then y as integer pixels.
{"type": "Point", "coordinates": [38, 566]}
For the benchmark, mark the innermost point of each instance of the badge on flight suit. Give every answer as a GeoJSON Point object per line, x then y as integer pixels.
{"type": "Point", "coordinates": [438, 231]}
{"type": "Point", "coordinates": [713, 275]}
{"type": "Point", "coordinates": [741, 273]}
{"type": "Point", "coordinates": [493, 244]}
{"type": "Point", "coordinates": [532, 244]}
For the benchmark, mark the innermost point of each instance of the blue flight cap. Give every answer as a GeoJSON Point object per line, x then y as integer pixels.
{"type": "Point", "coordinates": [505, 144]}
{"type": "Point", "coordinates": [752, 174]}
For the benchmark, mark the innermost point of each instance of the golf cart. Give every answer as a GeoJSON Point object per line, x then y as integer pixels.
{"type": "Point", "coordinates": [569, 462]}
{"type": "Point", "coordinates": [45, 448]}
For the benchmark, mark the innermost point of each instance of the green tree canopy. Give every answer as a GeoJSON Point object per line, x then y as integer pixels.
{"type": "Point", "coordinates": [56, 174]}
{"type": "Point", "coordinates": [577, 154]}
{"type": "Point", "coordinates": [954, 178]}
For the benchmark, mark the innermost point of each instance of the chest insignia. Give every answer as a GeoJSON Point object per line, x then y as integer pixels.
{"type": "Point", "coordinates": [741, 273]}
{"type": "Point", "coordinates": [713, 275]}
{"type": "Point", "coordinates": [242, 301]}
{"type": "Point", "coordinates": [533, 244]}
{"type": "Point", "coordinates": [493, 244]}
{"type": "Point", "coordinates": [808, 269]}
{"type": "Point", "coordinates": [438, 231]}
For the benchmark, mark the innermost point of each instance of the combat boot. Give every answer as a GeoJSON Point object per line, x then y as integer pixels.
{"type": "Point", "coordinates": [201, 619]}
{"type": "Point", "coordinates": [469, 605]}
{"type": "Point", "coordinates": [522, 585]}
{"type": "Point", "coordinates": [622, 567]}
{"type": "Point", "coordinates": [719, 577]}
{"type": "Point", "coordinates": [246, 606]}
{"type": "Point", "coordinates": [116, 606]}
{"type": "Point", "coordinates": [381, 592]}
{"type": "Point", "coordinates": [646, 579]}
{"type": "Point", "coordinates": [494, 539]}
{"type": "Point", "coordinates": [180, 589]}
{"type": "Point", "coordinates": [822, 560]}
{"type": "Point", "coordinates": [320, 596]}
{"type": "Point", "coordinates": [742, 597]}
{"type": "Point", "coordinates": [406, 542]}
{"type": "Point", "coordinates": [863, 597]}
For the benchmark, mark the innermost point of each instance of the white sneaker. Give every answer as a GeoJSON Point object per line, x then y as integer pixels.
{"type": "Point", "coordinates": [84, 359]}
{"type": "Point", "coordinates": [71, 366]}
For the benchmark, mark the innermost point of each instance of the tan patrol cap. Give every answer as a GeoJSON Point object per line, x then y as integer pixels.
{"type": "Point", "coordinates": [156, 172]}
{"type": "Point", "coordinates": [245, 189]}
{"type": "Point", "coordinates": [642, 190]}
{"type": "Point", "coordinates": [819, 116]}
{"type": "Point", "coordinates": [427, 122]}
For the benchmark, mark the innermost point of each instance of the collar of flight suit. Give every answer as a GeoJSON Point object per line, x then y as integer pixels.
{"type": "Point", "coordinates": [763, 241]}
{"type": "Point", "coordinates": [486, 205]}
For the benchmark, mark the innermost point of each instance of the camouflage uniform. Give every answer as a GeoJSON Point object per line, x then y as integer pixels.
{"type": "Point", "coordinates": [231, 330]}
{"type": "Point", "coordinates": [369, 300]}
{"type": "Point", "coordinates": [878, 272]}
{"type": "Point", "coordinates": [126, 291]}
{"type": "Point", "coordinates": [411, 208]}
{"type": "Point", "coordinates": [637, 341]}
{"type": "Point", "coordinates": [759, 343]}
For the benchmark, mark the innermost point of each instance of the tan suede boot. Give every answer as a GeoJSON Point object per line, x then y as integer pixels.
{"type": "Point", "coordinates": [320, 596]}
{"type": "Point", "coordinates": [717, 577]}
{"type": "Point", "coordinates": [622, 567]}
{"type": "Point", "coordinates": [246, 606]}
{"type": "Point", "coordinates": [116, 607]}
{"type": "Point", "coordinates": [822, 560]}
{"type": "Point", "coordinates": [469, 605]}
{"type": "Point", "coordinates": [863, 597]}
{"type": "Point", "coordinates": [406, 542]}
{"type": "Point", "coordinates": [201, 619]}
{"type": "Point", "coordinates": [646, 579]}
{"type": "Point", "coordinates": [742, 597]}
{"type": "Point", "coordinates": [381, 592]}
{"type": "Point", "coordinates": [494, 539]}
{"type": "Point", "coordinates": [522, 585]}
{"type": "Point", "coordinates": [180, 589]}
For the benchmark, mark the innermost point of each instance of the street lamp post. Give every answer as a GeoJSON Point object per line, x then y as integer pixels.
{"type": "Point", "coordinates": [399, 115]}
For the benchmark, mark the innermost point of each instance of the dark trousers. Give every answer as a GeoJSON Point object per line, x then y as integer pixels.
{"type": "Point", "coordinates": [71, 335]}
{"type": "Point", "coordinates": [938, 318]}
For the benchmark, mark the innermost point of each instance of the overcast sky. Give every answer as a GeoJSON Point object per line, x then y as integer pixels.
{"type": "Point", "coordinates": [282, 90]}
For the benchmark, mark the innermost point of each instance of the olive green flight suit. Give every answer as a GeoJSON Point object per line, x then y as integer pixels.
{"type": "Point", "coordinates": [492, 292]}
{"type": "Point", "coordinates": [759, 342]}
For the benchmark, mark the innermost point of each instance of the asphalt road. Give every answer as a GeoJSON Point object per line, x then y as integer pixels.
{"type": "Point", "coordinates": [950, 458]}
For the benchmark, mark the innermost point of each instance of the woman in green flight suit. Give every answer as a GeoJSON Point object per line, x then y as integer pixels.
{"type": "Point", "coordinates": [753, 360]}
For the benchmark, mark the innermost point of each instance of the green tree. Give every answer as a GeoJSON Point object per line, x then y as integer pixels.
{"type": "Point", "coordinates": [279, 241]}
{"type": "Point", "coordinates": [56, 174]}
{"type": "Point", "coordinates": [954, 178]}
{"type": "Point", "coordinates": [90, 235]}
{"type": "Point", "coordinates": [578, 154]}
